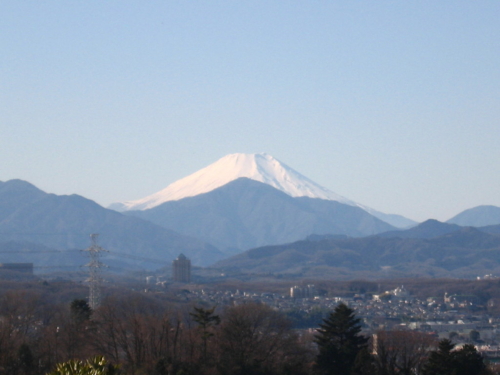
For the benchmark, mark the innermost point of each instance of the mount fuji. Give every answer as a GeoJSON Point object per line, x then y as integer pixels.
{"type": "Point", "coordinates": [258, 167]}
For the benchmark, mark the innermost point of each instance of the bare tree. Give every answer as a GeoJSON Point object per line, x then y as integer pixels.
{"type": "Point", "coordinates": [401, 352]}
{"type": "Point", "coordinates": [136, 331]}
{"type": "Point", "coordinates": [255, 339]}
{"type": "Point", "coordinates": [19, 330]}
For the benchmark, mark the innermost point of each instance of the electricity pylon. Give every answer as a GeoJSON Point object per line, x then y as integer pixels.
{"type": "Point", "coordinates": [95, 265]}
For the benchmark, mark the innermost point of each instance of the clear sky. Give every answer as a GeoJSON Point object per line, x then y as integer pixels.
{"type": "Point", "coordinates": [393, 104]}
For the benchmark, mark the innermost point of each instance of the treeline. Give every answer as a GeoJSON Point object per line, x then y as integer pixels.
{"type": "Point", "coordinates": [143, 334]}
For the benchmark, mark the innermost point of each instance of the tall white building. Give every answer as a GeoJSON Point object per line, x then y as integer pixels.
{"type": "Point", "coordinates": [308, 291]}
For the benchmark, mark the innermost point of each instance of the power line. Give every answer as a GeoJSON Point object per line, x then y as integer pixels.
{"type": "Point", "coordinates": [41, 234]}
{"type": "Point", "coordinates": [137, 257]}
{"type": "Point", "coordinates": [67, 251]}
{"type": "Point", "coordinates": [32, 251]}
{"type": "Point", "coordinates": [44, 267]}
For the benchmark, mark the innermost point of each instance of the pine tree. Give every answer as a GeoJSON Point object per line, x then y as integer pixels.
{"type": "Point", "coordinates": [467, 361]}
{"type": "Point", "coordinates": [339, 342]}
{"type": "Point", "coordinates": [80, 311]}
{"type": "Point", "coordinates": [25, 359]}
{"type": "Point", "coordinates": [446, 361]}
{"type": "Point", "coordinates": [440, 361]}
{"type": "Point", "coordinates": [364, 363]}
{"type": "Point", "coordinates": [205, 319]}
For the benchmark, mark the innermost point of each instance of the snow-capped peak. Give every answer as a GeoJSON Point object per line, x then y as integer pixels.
{"type": "Point", "coordinates": [259, 167]}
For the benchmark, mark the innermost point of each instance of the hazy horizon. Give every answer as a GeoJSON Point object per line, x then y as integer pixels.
{"type": "Point", "coordinates": [391, 105]}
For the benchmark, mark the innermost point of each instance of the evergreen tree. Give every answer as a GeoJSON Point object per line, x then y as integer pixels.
{"type": "Point", "coordinates": [80, 311]}
{"type": "Point", "coordinates": [467, 361]}
{"type": "Point", "coordinates": [441, 360]}
{"type": "Point", "coordinates": [205, 319]}
{"type": "Point", "coordinates": [364, 363]}
{"type": "Point", "coordinates": [339, 342]}
{"type": "Point", "coordinates": [446, 361]}
{"type": "Point", "coordinates": [25, 359]}
{"type": "Point", "coordinates": [474, 335]}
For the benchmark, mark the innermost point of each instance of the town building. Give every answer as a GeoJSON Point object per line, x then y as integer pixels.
{"type": "Point", "coordinates": [308, 291]}
{"type": "Point", "coordinates": [181, 269]}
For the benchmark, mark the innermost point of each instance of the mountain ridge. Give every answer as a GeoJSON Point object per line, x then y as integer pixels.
{"type": "Point", "coordinates": [479, 216]}
{"type": "Point", "coordinates": [246, 213]}
{"type": "Point", "coordinates": [65, 222]}
{"type": "Point", "coordinates": [427, 229]}
{"type": "Point", "coordinates": [258, 167]}
{"type": "Point", "coordinates": [467, 252]}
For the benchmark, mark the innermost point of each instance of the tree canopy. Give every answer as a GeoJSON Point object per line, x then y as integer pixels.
{"type": "Point", "coordinates": [447, 361]}
{"type": "Point", "coordinates": [339, 342]}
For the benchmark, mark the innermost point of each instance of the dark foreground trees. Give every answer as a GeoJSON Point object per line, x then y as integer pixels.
{"type": "Point", "coordinates": [447, 361]}
{"type": "Point", "coordinates": [146, 338]}
{"type": "Point", "coordinates": [339, 343]}
{"type": "Point", "coordinates": [401, 352]}
{"type": "Point", "coordinates": [144, 333]}
{"type": "Point", "coordinates": [255, 339]}
{"type": "Point", "coordinates": [206, 320]}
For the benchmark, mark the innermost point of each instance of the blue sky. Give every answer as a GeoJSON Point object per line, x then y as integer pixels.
{"type": "Point", "coordinates": [393, 104]}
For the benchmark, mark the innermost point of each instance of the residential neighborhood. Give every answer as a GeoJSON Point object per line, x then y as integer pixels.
{"type": "Point", "coordinates": [459, 318]}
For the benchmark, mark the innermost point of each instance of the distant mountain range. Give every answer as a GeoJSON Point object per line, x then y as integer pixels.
{"type": "Point", "coordinates": [479, 216]}
{"type": "Point", "coordinates": [459, 252]}
{"type": "Point", "coordinates": [248, 200]}
{"type": "Point", "coordinates": [428, 229]}
{"type": "Point", "coordinates": [247, 205]}
{"type": "Point", "coordinates": [245, 213]}
{"type": "Point", "coordinates": [30, 217]}
{"type": "Point", "coordinates": [258, 167]}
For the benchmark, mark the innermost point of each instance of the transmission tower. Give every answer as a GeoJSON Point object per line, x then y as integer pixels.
{"type": "Point", "coordinates": [95, 265]}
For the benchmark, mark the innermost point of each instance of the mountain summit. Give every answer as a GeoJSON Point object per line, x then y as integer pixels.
{"type": "Point", "coordinates": [258, 167]}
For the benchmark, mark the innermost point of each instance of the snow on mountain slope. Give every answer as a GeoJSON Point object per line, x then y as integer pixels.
{"type": "Point", "coordinates": [259, 167]}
